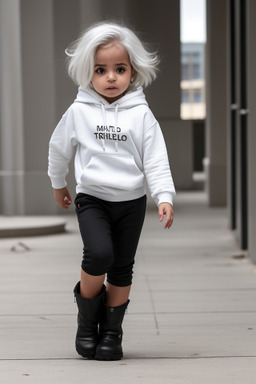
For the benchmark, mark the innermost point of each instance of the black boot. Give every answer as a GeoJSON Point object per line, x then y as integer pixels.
{"type": "Point", "coordinates": [89, 313]}
{"type": "Point", "coordinates": [111, 333]}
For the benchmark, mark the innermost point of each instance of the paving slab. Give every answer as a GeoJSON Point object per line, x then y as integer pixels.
{"type": "Point", "coordinates": [191, 320]}
{"type": "Point", "coordinates": [151, 371]}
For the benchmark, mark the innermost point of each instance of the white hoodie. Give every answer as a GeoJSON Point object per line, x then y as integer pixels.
{"type": "Point", "coordinates": [118, 145]}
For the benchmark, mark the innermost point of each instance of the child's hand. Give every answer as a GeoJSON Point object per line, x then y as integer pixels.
{"type": "Point", "coordinates": [63, 198]}
{"type": "Point", "coordinates": [166, 209]}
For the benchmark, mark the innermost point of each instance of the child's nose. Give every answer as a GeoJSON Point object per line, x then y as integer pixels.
{"type": "Point", "coordinates": [111, 76]}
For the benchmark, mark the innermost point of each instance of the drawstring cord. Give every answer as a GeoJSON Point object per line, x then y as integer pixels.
{"type": "Point", "coordinates": [116, 121]}
{"type": "Point", "coordinates": [105, 124]}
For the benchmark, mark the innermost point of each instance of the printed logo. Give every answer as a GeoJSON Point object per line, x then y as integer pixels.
{"type": "Point", "coordinates": [110, 132]}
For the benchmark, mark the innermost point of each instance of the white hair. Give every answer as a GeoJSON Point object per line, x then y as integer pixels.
{"type": "Point", "coordinates": [82, 52]}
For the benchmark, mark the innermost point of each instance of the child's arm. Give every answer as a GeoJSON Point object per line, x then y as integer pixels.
{"type": "Point", "coordinates": [63, 197]}
{"type": "Point", "coordinates": [158, 173]}
{"type": "Point", "coordinates": [61, 146]}
{"type": "Point", "coordinates": [166, 209]}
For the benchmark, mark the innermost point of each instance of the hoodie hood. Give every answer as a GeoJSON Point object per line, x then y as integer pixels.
{"type": "Point", "coordinates": [129, 100]}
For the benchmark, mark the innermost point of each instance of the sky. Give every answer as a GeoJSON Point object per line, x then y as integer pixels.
{"type": "Point", "coordinates": [193, 27]}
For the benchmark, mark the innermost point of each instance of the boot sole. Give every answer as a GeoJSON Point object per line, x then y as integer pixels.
{"type": "Point", "coordinates": [107, 357]}
{"type": "Point", "coordinates": [89, 355]}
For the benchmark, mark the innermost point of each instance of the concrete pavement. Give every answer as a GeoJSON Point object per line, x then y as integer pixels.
{"type": "Point", "coordinates": [191, 320]}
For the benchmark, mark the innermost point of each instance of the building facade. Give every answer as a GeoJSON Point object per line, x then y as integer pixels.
{"type": "Point", "coordinates": [193, 104]}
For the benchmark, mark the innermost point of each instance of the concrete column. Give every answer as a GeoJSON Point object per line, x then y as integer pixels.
{"type": "Point", "coordinates": [216, 100]}
{"type": "Point", "coordinates": [28, 105]}
{"type": "Point", "coordinates": [93, 11]}
{"type": "Point", "coordinates": [38, 91]}
{"type": "Point", "coordinates": [11, 139]}
{"type": "Point", "coordinates": [251, 16]}
{"type": "Point", "coordinates": [66, 28]}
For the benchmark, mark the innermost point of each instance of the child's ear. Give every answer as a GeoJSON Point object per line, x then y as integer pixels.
{"type": "Point", "coordinates": [133, 75]}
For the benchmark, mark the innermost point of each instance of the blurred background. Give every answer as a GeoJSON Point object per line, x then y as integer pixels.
{"type": "Point", "coordinates": [203, 98]}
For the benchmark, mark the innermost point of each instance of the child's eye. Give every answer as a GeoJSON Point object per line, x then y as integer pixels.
{"type": "Point", "coordinates": [120, 70]}
{"type": "Point", "coordinates": [100, 71]}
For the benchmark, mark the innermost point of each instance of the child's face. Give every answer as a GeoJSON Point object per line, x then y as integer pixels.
{"type": "Point", "coordinates": [112, 71]}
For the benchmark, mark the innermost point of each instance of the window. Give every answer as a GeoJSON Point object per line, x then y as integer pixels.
{"type": "Point", "coordinates": [185, 97]}
{"type": "Point", "coordinates": [197, 70]}
{"type": "Point", "coordinates": [197, 96]}
{"type": "Point", "coordinates": [193, 37]}
{"type": "Point", "coordinates": [185, 72]}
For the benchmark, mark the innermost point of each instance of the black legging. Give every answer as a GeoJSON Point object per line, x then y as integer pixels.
{"type": "Point", "coordinates": [110, 233]}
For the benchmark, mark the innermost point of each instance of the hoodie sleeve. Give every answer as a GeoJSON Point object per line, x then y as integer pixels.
{"type": "Point", "coordinates": [156, 166]}
{"type": "Point", "coordinates": [61, 149]}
